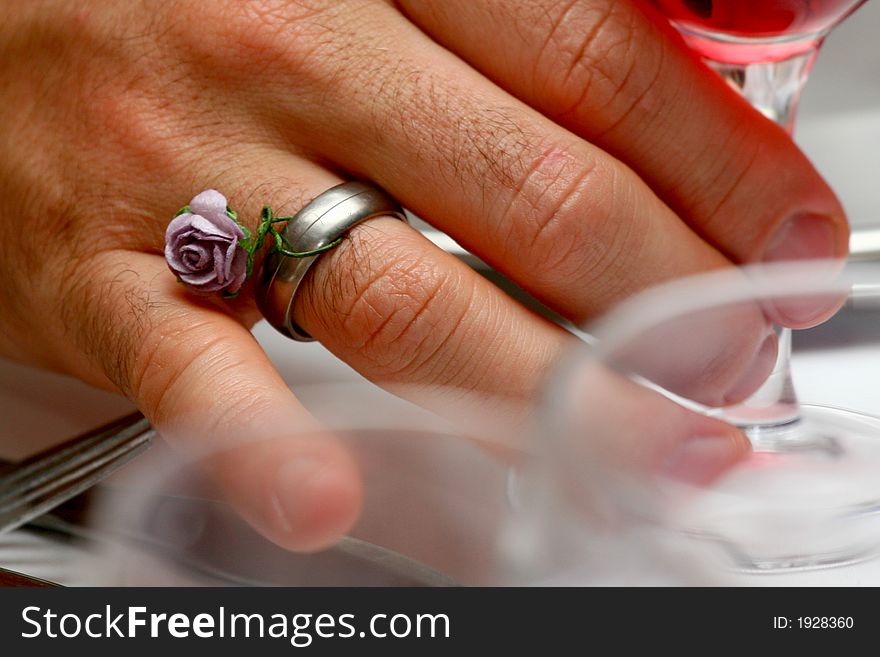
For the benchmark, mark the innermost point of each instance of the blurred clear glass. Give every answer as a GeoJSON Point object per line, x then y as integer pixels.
{"type": "Point", "coordinates": [579, 493]}
{"type": "Point", "coordinates": [435, 498]}
{"type": "Point", "coordinates": [803, 507]}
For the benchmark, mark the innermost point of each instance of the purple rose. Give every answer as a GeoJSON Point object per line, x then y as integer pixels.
{"type": "Point", "coordinates": [202, 246]}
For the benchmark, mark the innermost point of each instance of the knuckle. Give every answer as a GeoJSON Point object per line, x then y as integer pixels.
{"type": "Point", "coordinates": [570, 214]}
{"type": "Point", "coordinates": [609, 62]}
{"type": "Point", "coordinates": [495, 145]}
{"type": "Point", "coordinates": [448, 129]}
{"type": "Point", "coordinates": [170, 356]}
{"type": "Point", "coordinates": [151, 349]}
{"type": "Point", "coordinates": [739, 167]}
{"type": "Point", "coordinates": [159, 353]}
{"type": "Point", "coordinates": [152, 371]}
{"type": "Point", "coordinates": [241, 39]}
{"type": "Point", "coordinates": [582, 40]}
{"type": "Point", "coordinates": [135, 139]}
{"type": "Point", "coordinates": [33, 280]}
{"type": "Point", "coordinates": [389, 313]}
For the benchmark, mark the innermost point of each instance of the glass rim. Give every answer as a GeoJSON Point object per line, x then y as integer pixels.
{"type": "Point", "coordinates": [677, 298]}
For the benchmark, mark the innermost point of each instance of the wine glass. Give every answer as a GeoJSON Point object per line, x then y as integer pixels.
{"type": "Point", "coordinates": [605, 501]}
{"type": "Point", "coordinates": [765, 49]}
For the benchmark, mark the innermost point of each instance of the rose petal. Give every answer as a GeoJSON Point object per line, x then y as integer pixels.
{"type": "Point", "coordinates": [201, 279]}
{"type": "Point", "coordinates": [202, 247]}
{"type": "Point", "coordinates": [228, 259]}
{"type": "Point", "coordinates": [172, 257]}
{"type": "Point", "coordinates": [177, 238]}
{"type": "Point", "coordinates": [181, 240]}
{"type": "Point", "coordinates": [204, 290]}
{"type": "Point", "coordinates": [188, 222]}
{"type": "Point", "coordinates": [210, 204]}
{"type": "Point", "coordinates": [220, 265]}
{"type": "Point", "coordinates": [238, 272]}
{"type": "Point", "coordinates": [226, 228]}
{"type": "Point", "coordinates": [180, 224]}
{"type": "Point", "coordinates": [194, 256]}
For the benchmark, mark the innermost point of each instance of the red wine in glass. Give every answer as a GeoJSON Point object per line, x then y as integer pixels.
{"type": "Point", "coordinates": [755, 30]}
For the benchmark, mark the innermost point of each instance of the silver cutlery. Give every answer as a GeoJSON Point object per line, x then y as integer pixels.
{"type": "Point", "coordinates": [32, 487]}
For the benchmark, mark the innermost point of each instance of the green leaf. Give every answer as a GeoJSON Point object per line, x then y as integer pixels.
{"type": "Point", "coordinates": [182, 210]}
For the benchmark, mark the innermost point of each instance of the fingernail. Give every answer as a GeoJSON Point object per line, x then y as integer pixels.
{"type": "Point", "coordinates": [700, 460]}
{"type": "Point", "coordinates": [807, 237]}
{"type": "Point", "coordinates": [804, 237]}
{"type": "Point", "coordinates": [758, 371]}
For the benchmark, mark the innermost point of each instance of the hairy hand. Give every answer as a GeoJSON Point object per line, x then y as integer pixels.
{"type": "Point", "coordinates": [575, 146]}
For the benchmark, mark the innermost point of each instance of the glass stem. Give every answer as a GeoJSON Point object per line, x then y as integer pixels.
{"type": "Point", "coordinates": [773, 88]}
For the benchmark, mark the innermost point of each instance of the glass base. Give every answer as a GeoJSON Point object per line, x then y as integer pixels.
{"type": "Point", "coordinates": [807, 498]}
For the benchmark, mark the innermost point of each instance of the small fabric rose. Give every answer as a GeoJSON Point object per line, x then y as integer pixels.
{"type": "Point", "coordinates": [211, 252]}
{"type": "Point", "coordinates": [203, 246]}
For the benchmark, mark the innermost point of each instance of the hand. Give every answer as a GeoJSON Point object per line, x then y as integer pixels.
{"type": "Point", "coordinates": [575, 146]}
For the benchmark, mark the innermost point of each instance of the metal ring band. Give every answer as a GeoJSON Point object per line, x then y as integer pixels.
{"type": "Point", "coordinates": [327, 218]}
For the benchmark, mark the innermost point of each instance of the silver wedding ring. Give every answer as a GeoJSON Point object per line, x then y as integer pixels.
{"type": "Point", "coordinates": [320, 223]}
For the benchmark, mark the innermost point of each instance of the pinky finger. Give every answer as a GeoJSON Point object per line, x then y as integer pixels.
{"type": "Point", "coordinates": [206, 385]}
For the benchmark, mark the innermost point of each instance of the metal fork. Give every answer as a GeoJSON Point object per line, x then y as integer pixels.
{"type": "Point", "coordinates": [40, 483]}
